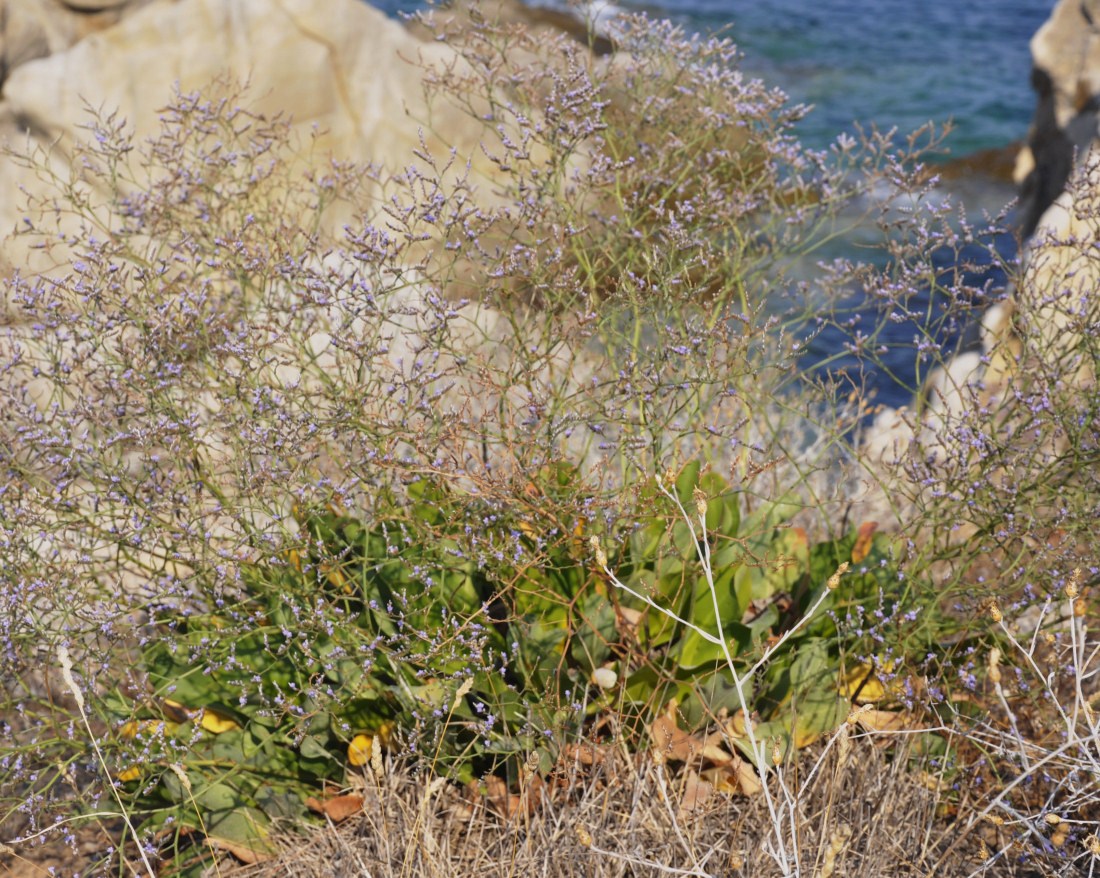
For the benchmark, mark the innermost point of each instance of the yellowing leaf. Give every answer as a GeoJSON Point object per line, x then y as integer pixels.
{"type": "Point", "coordinates": [736, 725]}
{"type": "Point", "coordinates": [335, 577]}
{"type": "Point", "coordinates": [864, 539]}
{"type": "Point", "coordinates": [129, 774]}
{"type": "Point", "coordinates": [577, 544]}
{"type": "Point", "coordinates": [359, 750]}
{"type": "Point", "coordinates": [129, 730]}
{"type": "Point", "coordinates": [175, 711]}
{"type": "Point", "coordinates": [804, 734]}
{"type": "Point", "coordinates": [217, 723]}
{"type": "Point", "coordinates": [861, 684]}
{"type": "Point", "coordinates": [384, 734]}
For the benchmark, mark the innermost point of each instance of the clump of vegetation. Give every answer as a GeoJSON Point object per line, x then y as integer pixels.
{"type": "Point", "coordinates": [514, 468]}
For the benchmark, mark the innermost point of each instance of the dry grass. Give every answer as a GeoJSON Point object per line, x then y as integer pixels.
{"type": "Point", "coordinates": [873, 817]}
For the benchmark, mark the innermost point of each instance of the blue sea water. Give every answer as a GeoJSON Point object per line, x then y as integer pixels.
{"type": "Point", "coordinates": [891, 64]}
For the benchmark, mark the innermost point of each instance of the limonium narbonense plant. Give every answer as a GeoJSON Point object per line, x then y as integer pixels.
{"type": "Point", "coordinates": [213, 366]}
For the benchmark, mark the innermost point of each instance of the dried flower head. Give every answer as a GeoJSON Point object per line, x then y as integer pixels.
{"type": "Point", "coordinates": [834, 580]}
{"type": "Point", "coordinates": [994, 665]}
{"type": "Point", "coordinates": [597, 550]}
{"type": "Point", "coordinates": [1073, 584]}
{"type": "Point", "coordinates": [700, 499]}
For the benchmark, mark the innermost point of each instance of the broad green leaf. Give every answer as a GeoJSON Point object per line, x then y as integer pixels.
{"type": "Point", "coordinates": [769, 515]}
{"type": "Point", "coordinates": [312, 748]}
{"type": "Point", "coordinates": [245, 827]}
{"type": "Point", "coordinates": [591, 644]}
{"type": "Point", "coordinates": [685, 484]}
{"type": "Point", "coordinates": [216, 797]}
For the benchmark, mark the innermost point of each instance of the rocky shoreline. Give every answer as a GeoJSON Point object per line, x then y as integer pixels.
{"type": "Point", "coordinates": [57, 54]}
{"type": "Point", "coordinates": [356, 76]}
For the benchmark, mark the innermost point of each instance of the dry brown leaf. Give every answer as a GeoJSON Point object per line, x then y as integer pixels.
{"type": "Point", "coordinates": [627, 621]}
{"type": "Point", "coordinates": [585, 754]}
{"type": "Point", "coordinates": [671, 741]}
{"type": "Point", "coordinates": [696, 793]}
{"type": "Point", "coordinates": [247, 855]}
{"type": "Point", "coordinates": [931, 782]}
{"type": "Point", "coordinates": [748, 779]}
{"type": "Point", "coordinates": [505, 802]}
{"type": "Point", "coordinates": [714, 751]}
{"type": "Point", "coordinates": [723, 779]}
{"type": "Point", "coordinates": [735, 777]}
{"type": "Point", "coordinates": [885, 720]}
{"type": "Point", "coordinates": [864, 539]}
{"type": "Point", "coordinates": [337, 808]}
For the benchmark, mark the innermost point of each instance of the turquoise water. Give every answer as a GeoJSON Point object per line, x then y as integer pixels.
{"type": "Point", "coordinates": [885, 62]}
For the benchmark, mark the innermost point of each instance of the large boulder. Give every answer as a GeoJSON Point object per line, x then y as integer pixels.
{"type": "Point", "coordinates": [31, 29]}
{"type": "Point", "coordinates": [1058, 309]}
{"type": "Point", "coordinates": [348, 76]}
{"type": "Point", "coordinates": [1053, 310]}
{"type": "Point", "coordinates": [1066, 76]}
{"type": "Point", "coordinates": [585, 25]}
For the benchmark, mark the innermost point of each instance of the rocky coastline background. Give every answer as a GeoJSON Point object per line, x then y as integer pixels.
{"type": "Point", "coordinates": [352, 81]}
{"type": "Point", "coordinates": [347, 70]}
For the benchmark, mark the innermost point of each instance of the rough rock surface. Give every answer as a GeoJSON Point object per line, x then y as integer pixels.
{"type": "Point", "coordinates": [340, 67]}
{"type": "Point", "coordinates": [1044, 326]}
{"type": "Point", "coordinates": [32, 29]}
{"type": "Point", "coordinates": [1066, 76]}
{"type": "Point", "coordinates": [1056, 298]}
{"type": "Point", "coordinates": [536, 19]}
{"type": "Point", "coordinates": [350, 78]}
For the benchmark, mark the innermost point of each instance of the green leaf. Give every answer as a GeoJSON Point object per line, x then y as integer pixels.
{"type": "Point", "coordinates": [230, 747]}
{"type": "Point", "coordinates": [723, 506]}
{"type": "Point", "coordinates": [818, 707]}
{"type": "Point", "coordinates": [771, 514]}
{"type": "Point", "coordinates": [695, 651]}
{"type": "Point", "coordinates": [591, 645]}
{"type": "Point", "coordinates": [217, 797]}
{"type": "Point", "coordinates": [312, 748]}
{"type": "Point", "coordinates": [645, 541]}
{"type": "Point", "coordinates": [787, 560]}
{"type": "Point", "coordinates": [277, 801]}
{"type": "Point", "coordinates": [685, 484]}
{"type": "Point", "coordinates": [173, 788]}
{"type": "Point", "coordinates": [246, 827]}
